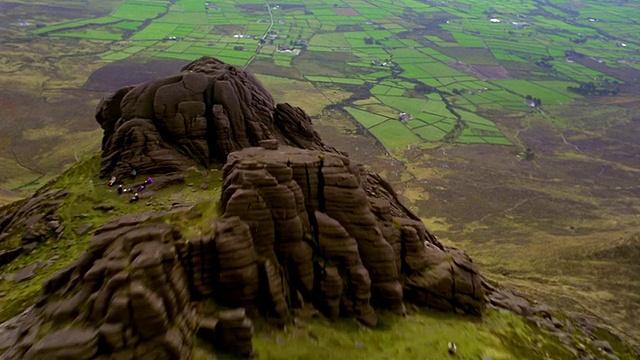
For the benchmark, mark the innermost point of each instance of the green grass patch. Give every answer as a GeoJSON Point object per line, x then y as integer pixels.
{"type": "Point", "coordinates": [116, 56]}
{"type": "Point", "coordinates": [524, 87]}
{"type": "Point", "coordinates": [179, 46]}
{"type": "Point", "coordinates": [88, 190]}
{"type": "Point", "coordinates": [408, 105]}
{"type": "Point", "coordinates": [394, 135]}
{"type": "Point", "coordinates": [367, 119]}
{"type": "Point", "coordinates": [430, 133]}
{"type": "Point", "coordinates": [499, 335]}
{"type": "Point", "coordinates": [155, 31]}
{"type": "Point", "coordinates": [330, 40]}
{"type": "Point", "coordinates": [128, 25]}
{"type": "Point", "coordinates": [136, 11]}
{"type": "Point", "coordinates": [446, 125]}
{"type": "Point", "coordinates": [89, 34]}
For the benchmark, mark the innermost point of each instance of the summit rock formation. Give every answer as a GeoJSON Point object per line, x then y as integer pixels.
{"type": "Point", "coordinates": [199, 116]}
{"type": "Point", "coordinates": [298, 199]}
{"type": "Point", "coordinates": [300, 225]}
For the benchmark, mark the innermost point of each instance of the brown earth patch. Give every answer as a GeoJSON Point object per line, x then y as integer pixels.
{"type": "Point", "coordinates": [230, 29]}
{"type": "Point", "coordinates": [252, 6]}
{"type": "Point", "coordinates": [484, 72]}
{"type": "Point", "coordinates": [628, 74]}
{"type": "Point", "coordinates": [268, 67]}
{"type": "Point", "coordinates": [7, 6]}
{"type": "Point", "coordinates": [492, 72]}
{"type": "Point", "coordinates": [346, 11]}
{"type": "Point", "coordinates": [292, 7]}
{"type": "Point", "coordinates": [119, 74]}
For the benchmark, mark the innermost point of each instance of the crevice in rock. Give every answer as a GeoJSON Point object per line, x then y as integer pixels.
{"type": "Point", "coordinates": [321, 200]}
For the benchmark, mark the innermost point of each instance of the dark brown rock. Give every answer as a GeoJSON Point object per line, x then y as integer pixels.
{"type": "Point", "coordinates": [103, 207]}
{"type": "Point", "coordinates": [234, 332]}
{"type": "Point", "coordinates": [81, 344]}
{"type": "Point", "coordinates": [8, 256]}
{"type": "Point", "coordinates": [270, 144]}
{"type": "Point", "coordinates": [25, 273]}
{"type": "Point", "coordinates": [128, 291]}
{"type": "Point", "coordinates": [238, 279]}
{"type": "Point", "coordinates": [83, 229]}
{"type": "Point", "coordinates": [207, 111]}
{"type": "Point", "coordinates": [336, 245]}
{"type": "Point", "coordinates": [449, 281]}
{"type": "Point", "coordinates": [274, 297]}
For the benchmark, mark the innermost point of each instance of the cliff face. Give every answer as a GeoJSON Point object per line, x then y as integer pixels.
{"type": "Point", "coordinates": [301, 225]}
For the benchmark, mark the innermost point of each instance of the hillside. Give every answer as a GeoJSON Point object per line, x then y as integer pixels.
{"type": "Point", "coordinates": [249, 217]}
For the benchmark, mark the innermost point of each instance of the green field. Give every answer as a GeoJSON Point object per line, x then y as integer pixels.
{"type": "Point", "coordinates": [471, 64]}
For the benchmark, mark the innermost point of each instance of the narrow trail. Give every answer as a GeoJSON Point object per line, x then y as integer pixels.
{"type": "Point", "coordinates": [15, 156]}
{"type": "Point", "coordinates": [526, 127]}
{"type": "Point", "coordinates": [521, 202]}
{"type": "Point", "coordinates": [570, 144]}
{"type": "Point", "coordinates": [117, 7]}
{"type": "Point", "coordinates": [263, 36]}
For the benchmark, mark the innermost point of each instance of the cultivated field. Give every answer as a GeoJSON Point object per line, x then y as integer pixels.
{"type": "Point", "coordinates": [472, 56]}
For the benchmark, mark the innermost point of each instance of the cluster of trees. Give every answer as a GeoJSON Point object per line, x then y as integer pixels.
{"type": "Point", "coordinates": [545, 62]}
{"type": "Point", "coordinates": [532, 101]}
{"type": "Point", "coordinates": [603, 89]}
{"type": "Point", "coordinates": [371, 41]}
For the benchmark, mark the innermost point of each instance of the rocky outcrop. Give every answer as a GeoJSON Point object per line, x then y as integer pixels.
{"type": "Point", "coordinates": [301, 226]}
{"type": "Point", "coordinates": [297, 228]}
{"type": "Point", "coordinates": [199, 116]}
{"type": "Point", "coordinates": [308, 213]}
{"type": "Point", "coordinates": [125, 297]}
{"type": "Point", "coordinates": [33, 221]}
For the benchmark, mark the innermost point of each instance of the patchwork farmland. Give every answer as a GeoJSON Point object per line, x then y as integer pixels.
{"type": "Point", "coordinates": [420, 72]}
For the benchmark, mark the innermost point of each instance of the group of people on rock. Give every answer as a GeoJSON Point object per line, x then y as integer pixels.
{"type": "Point", "coordinates": [123, 190]}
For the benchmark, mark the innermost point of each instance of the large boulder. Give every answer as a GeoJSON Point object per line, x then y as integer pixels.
{"type": "Point", "coordinates": [198, 116]}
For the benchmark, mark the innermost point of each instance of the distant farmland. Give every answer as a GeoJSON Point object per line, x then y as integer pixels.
{"type": "Point", "coordinates": [423, 73]}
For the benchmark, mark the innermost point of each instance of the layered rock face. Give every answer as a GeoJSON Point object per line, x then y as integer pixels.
{"type": "Point", "coordinates": [126, 297]}
{"type": "Point", "coordinates": [199, 116]}
{"type": "Point", "coordinates": [340, 248]}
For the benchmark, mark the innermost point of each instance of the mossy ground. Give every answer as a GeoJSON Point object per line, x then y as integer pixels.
{"type": "Point", "coordinates": [87, 190]}
{"type": "Point", "coordinates": [421, 335]}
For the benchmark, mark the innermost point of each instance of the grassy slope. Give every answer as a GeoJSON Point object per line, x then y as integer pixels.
{"type": "Point", "coordinates": [423, 334]}
{"type": "Point", "coordinates": [500, 335]}
{"type": "Point", "coordinates": [88, 190]}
